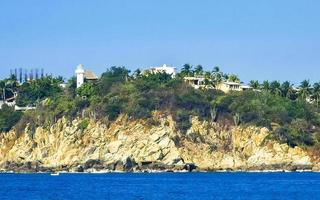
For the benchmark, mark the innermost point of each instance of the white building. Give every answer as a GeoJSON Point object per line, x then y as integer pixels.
{"type": "Point", "coordinates": [84, 75]}
{"type": "Point", "coordinates": [196, 82]}
{"type": "Point", "coordinates": [225, 86]}
{"type": "Point", "coordinates": [164, 69]}
{"type": "Point", "coordinates": [228, 86]}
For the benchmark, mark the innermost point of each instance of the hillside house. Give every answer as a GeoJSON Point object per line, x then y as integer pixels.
{"type": "Point", "coordinates": [228, 86]}
{"type": "Point", "coordinates": [196, 82]}
{"type": "Point", "coordinates": [84, 75]}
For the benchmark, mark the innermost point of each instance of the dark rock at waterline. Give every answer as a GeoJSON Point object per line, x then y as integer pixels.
{"type": "Point", "coordinates": [93, 164]}
{"type": "Point", "coordinates": [79, 168]}
{"type": "Point", "coordinates": [28, 166]}
{"type": "Point", "coordinates": [157, 166]}
{"type": "Point", "coordinates": [129, 164]}
{"type": "Point", "coordinates": [190, 167]}
{"type": "Point", "coordinates": [145, 163]}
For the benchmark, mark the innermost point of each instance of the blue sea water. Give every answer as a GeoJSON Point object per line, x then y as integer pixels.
{"type": "Point", "coordinates": [161, 186]}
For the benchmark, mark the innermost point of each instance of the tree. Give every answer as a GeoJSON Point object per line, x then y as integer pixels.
{"type": "Point", "coordinates": [12, 83]}
{"type": "Point", "coordinates": [287, 89]}
{"type": "Point", "coordinates": [72, 86]}
{"type": "Point", "coordinates": [8, 87]}
{"type": "Point", "coordinates": [186, 70]}
{"type": "Point", "coordinates": [254, 84]}
{"type": "Point", "coordinates": [112, 76]}
{"type": "Point", "coordinates": [37, 90]}
{"type": "Point", "coordinates": [316, 93]}
{"type": "Point", "coordinates": [216, 76]}
{"type": "Point", "coordinates": [2, 88]}
{"type": "Point", "coordinates": [216, 69]}
{"type": "Point", "coordinates": [8, 117]}
{"type": "Point", "coordinates": [275, 88]}
{"type": "Point", "coordinates": [208, 81]}
{"type": "Point", "coordinates": [265, 86]}
{"type": "Point", "coordinates": [233, 78]}
{"type": "Point", "coordinates": [198, 70]}
{"type": "Point", "coordinates": [224, 77]}
{"type": "Point", "coordinates": [304, 89]}
{"type": "Point", "coordinates": [137, 73]}
{"type": "Point", "coordinates": [86, 90]}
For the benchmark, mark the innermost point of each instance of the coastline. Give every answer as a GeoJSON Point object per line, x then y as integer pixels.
{"type": "Point", "coordinates": [173, 169]}
{"type": "Point", "coordinates": [163, 172]}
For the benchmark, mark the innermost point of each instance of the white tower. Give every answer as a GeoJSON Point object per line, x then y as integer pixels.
{"type": "Point", "coordinates": [80, 75]}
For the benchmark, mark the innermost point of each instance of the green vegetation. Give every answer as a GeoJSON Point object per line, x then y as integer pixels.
{"type": "Point", "coordinates": [291, 114]}
{"type": "Point", "coordinates": [83, 124]}
{"type": "Point", "coordinates": [33, 92]}
{"type": "Point", "coordinates": [8, 118]}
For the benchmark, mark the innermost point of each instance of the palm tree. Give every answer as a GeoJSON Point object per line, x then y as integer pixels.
{"type": "Point", "coordinates": [233, 78]}
{"type": "Point", "coordinates": [216, 69]}
{"type": "Point", "coordinates": [186, 70]}
{"type": "Point", "coordinates": [216, 78]}
{"type": "Point", "coordinates": [137, 73]}
{"type": "Point", "coordinates": [287, 89]}
{"type": "Point", "coordinates": [305, 89]}
{"type": "Point", "coordinates": [198, 70]}
{"type": "Point", "coordinates": [12, 83]}
{"type": "Point", "coordinates": [275, 88]}
{"type": "Point", "coordinates": [225, 77]}
{"type": "Point", "coordinates": [316, 93]}
{"type": "Point", "coordinates": [254, 84]}
{"type": "Point", "coordinates": [2, 88]}
{"type": "Point", "coordinates": [265, 86]}
{"type": "Point", "coordinates": [208, 79]}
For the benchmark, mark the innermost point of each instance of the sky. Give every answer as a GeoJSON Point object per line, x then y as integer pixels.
{"type": "Point", "coordinates": [255, 39]}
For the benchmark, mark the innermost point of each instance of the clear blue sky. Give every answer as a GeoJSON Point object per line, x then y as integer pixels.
{"type": "Point", "coordinates": [256, 39]}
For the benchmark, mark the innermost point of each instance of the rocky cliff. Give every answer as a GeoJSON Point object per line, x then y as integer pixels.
{"type": "Point", "coordinates": [136, 145]}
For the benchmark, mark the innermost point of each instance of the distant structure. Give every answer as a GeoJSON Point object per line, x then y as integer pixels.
{"type": "Point", "coordinates": [225, 86]}
{"type": "Point", "coordinates": [80, 75]}
{"type": "Point", "coordinates": [84, 75]}
{"type": "Point", "coordinates": [20, 75]}
{"type": "Point", "coordinates": [228, 86]}
{"type": "Point", "coordinates": [25, 75]}
{"type": "Point", "coordinates": [164, 69]}
{"type": "Point", "coordinates": [195, 82]}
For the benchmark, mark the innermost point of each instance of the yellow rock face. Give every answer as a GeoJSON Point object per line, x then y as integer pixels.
{"type": "Point", "coordinates": [207, 145]}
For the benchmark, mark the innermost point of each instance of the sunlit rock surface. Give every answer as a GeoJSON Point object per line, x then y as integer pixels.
{"type": "Point", "coordinates": [135, 145]}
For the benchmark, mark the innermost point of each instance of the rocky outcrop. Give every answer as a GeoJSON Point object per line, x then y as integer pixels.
{"type": "Point", "coordinates": [135, 145]}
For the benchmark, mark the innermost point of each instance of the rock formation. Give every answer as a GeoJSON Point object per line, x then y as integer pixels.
{"type": "Point", "coordinates": [135, 145]}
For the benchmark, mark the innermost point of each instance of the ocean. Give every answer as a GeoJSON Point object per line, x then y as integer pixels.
{"type": "Point", "coordinates": [142, 186]}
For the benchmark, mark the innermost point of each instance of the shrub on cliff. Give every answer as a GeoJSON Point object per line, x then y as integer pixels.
{"type": "Point", "coordinates": [182, 118]}
{"type": "Point", "coordinates": [83, 124]}
{"type": "Point", "coordinates": [253, 107]}
{"type": "Point", "coordinates": [297, 120]}
{"type": "Point", "coordinates": [8, 118]}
